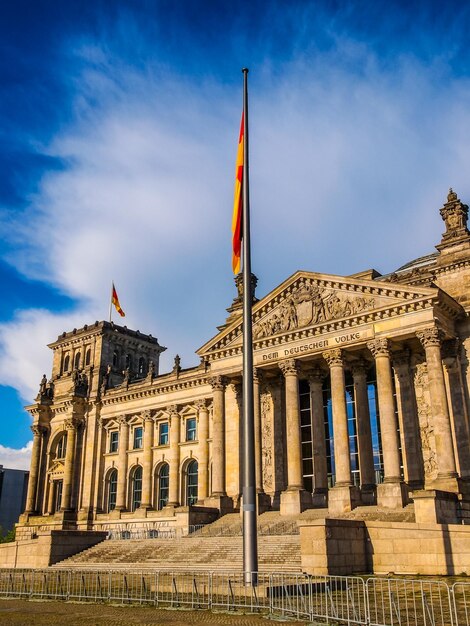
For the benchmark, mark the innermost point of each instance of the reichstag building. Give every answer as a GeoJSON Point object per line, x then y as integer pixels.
{"type": "Point", "coordinates": [361, 400]}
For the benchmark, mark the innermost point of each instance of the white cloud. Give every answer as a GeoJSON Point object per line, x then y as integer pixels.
{"type": "Point", "coordinates": [348, 171]}
{"type": "Point", "coordinates": [12, 458]}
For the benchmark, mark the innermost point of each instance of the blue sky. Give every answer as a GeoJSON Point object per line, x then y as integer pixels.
{"type": "Point", "coordinates": [118, 128]}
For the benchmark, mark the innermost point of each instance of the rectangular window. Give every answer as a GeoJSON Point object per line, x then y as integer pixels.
{"type": "Point", "coordinates": [113, 441]}
{"type": "Point", "coordinates": [163, 434]}
{"type": "Point", "coordinates": [191, 429]}
{"type": "Point", "coordinates": [138, 434]}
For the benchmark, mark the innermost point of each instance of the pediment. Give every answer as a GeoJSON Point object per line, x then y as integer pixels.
{"type": "Point", "coordinates": [57, 468]}
{"type": "Point", "coordinates": [307, 300]}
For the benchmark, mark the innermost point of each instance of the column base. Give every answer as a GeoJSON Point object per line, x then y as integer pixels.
{"type": "Point", "coordinates": [436, 507]}
{"type": "Point", "coordinates": [223, 503]}
{"type": "Point", "coordinates": [320, 499]}
{"type": "Point", "coordinates": [445, 483]}
{"type": "Point", "coordinates": [294, 501]}
{"type": "Point", "coordinates": [342, 499]}
{"type": "Point", "coordinates": [368, 495]}
{"type": "Point", "coordinates": [392, 495]}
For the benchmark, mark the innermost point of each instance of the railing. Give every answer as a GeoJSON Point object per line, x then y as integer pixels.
{"type": "Point", "coordinates": [201, 530]}
{"type": "Point", "coordinates": [322, 599]}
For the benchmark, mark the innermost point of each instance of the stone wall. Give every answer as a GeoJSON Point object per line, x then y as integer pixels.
{"type": "Point", "coordinates": [47, 548]}
{"type": "Point", "coordinates": [345, 547]}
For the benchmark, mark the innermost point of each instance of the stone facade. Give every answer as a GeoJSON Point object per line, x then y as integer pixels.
{"type": "Point", "coordinates": [361, 398]}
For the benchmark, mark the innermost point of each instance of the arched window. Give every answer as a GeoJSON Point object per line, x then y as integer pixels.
{"type": "Point", "coordinates": [191, 482]}
{"type": "Point", "coordinates": [128, 361]}
{"type": "Point", "coordinates": [136, 488]}
{"type": "Point", "coordinates": [61, 447]}
{"type": "Point", "coordinates": [66, 363]}
{"type": "Point", "coordinates": [115, 359]}
{"type": "Point", "coordinates": [112, 490]}
{"type": "Point", "coordinates": [163, 486]}
{"type": "Point", "coordinates": [88, 357]}
{"type": "Point", "coordinates": [76, 362]}
{"type": "Point", "coordinates": [141, 366]}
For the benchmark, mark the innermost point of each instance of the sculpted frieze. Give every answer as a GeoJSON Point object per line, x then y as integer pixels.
{"type": "Point", "coordinates": [308, 305]}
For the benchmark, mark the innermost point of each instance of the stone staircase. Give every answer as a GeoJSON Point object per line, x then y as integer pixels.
{"type": "Point", "coordinates": [216, 547]}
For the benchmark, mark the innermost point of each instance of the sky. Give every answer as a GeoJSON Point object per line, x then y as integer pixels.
{"type": "Point", "coordinates": [119, 125]}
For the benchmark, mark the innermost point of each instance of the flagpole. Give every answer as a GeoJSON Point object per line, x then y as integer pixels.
{"type": "Point", "coordinates": [250, 538]}
{"type": "Point", "coordinates": [111, 302]}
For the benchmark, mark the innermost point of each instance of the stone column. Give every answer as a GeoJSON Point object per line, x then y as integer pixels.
{"type": "Point", "coordinates": [391, 493]}
{"type": "Point", "coordinates": [320, 468]}
{"type": "Point", "coordinates": [71, 424]}
{"type": "Point", "coordinates": [257, 379]}
{"type": "Point", "coordinates": [457, 405]}
{"type": "Point", "coordinates": [409, 423]}
{"type": "Point", "coordinates": [203, 451]}
{"type": "Point", "coordinates": [218, 384]}
{"type": "Point", "coordinates": [446, 480]}
{"type": "Point", "coordinates": [122, 463]}
{"type": "Point", "coordinates": [295, 499]}
{"type": "Point", "coordinates": [344, 496]}
{"type": "Point", "coordinates": [147, 465]}
{"type": "Point", "coordinates": [50, 498]}
{"type": "Point", "coordinates": [364, 434]}
{"type": "Point", "coordinates": [174, 457]}
{"type": "Point", "coordinates": [38, 432]}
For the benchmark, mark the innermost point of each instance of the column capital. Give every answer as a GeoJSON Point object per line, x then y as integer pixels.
{"type": "Point", "coordinates": [431, 336]}
{"type": "Point", "coordinates": [401, 359]}
{"type": "Point", "coordinates": [218, 383]}
{"type": "Point", "coordinates": [201, 405]}
{"type": "Point", "coordinates": [290, 367]}
{"type": "Point", "coordinates": [258, 375]}
{"type": "Point", "coordinates": [333, 357]}
{"type": "Point", "coordinates": [360, 367]}
{"type": "Point", "coordinates": [38, 430]}
{"type": "Point", "coordinates": [122, 421]}
{"type": "Point", "coordinates": [72, 423]}
{"type": "Point", "coordinates": [147, 416]}
{"type": "Point", "coordinates": [173, 411]}
{"type": "Point", "coordinates": [316, 376]}
{"type": "Point", "coordinates": [379, 347]}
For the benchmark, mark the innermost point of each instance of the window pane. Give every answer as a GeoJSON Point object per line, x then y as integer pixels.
{"type": "Point", "coordinates": [138, 432]}
{"type": "Point", "coordinates": [163, 434]}
{"type": "Point", "coordinates": [190, 429]}
{"type": "Point", "coordinates": [113, 441]}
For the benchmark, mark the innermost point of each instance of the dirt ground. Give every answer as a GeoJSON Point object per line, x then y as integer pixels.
{"type": "Point", "coordinates": [38, 613]}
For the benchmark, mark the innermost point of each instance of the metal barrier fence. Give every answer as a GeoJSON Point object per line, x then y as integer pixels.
{"type": "Point", "coordinates": [337, 600]}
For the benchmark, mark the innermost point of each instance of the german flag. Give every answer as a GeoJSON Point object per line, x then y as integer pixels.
{"type": "Point", "coordinates": [238, 204]}
{"type": "Point", "coordinates": [115, 301]}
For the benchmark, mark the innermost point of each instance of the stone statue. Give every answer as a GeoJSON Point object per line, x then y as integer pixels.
{"type": "Point", "coordinates": [177, 366]}
{"type": "Point", "coordinates": [105, 380]}
{"type": "Point", "coordinates": [151, 370]}
{"type": "Point", "coordinates": [127, 377]}
{"type": "Point", "coordinates": [43, 385]}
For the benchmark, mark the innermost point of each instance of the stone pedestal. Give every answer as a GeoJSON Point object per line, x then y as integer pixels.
{"type": "Point", "coordinates": [445, 483]}
{"type": "Point", "coordinates": [223, 503]}
{"type": "Point", "coordinates": [393, 495]}
{"type": "Point", "coordinates": [342, 499]}
{"type": "Point", "coordinates": [369, 495]}
{"type": "Point", "coordinates": [294, 501]}
{"type": "Point", "coordinates": [436, 507]}
{"type": "Point", "coordinates": [320, 499]}
{"type": "Point", "coordinates": [263, 501]}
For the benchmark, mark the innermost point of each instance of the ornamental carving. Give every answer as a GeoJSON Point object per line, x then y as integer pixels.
{"type": "Point", "coordinates": [258, 376]}
{"type": "Point", "coordinates": [72, 423]}
{"type": "Point", "coordinates": [147, 416]}
{"type": "Point", "coordinates": [201, 406]}
{"type": "Point", "coordinates": [455, 216]}
{"type": "Point", "coordinates": [316, 376]}
{"type": "Point", "coordinates": [37, 430]}
{"type": "Point", "coordinates": [122, 420]}
{"type": "Point", "coordinates": [266, 441]}
{"type": "Point", "coordinates": [426, 429]}
{"type": "Point", "coordinates": [430, 337]}
{"type": "Point", "coordinates": [308, 305]}
{"type": "Point", "coordinates": [173, 411]}
{"type": "Point", "coordinates": [289, 367]}
{"type": "Point", "coordinates": [360, 368]}
{"type": "Point", "coordinates": [217, 383]}
{"type": "Point", "coordinates": [333, 357]}
{"type": "Point", "coordinates": [379, 347]}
